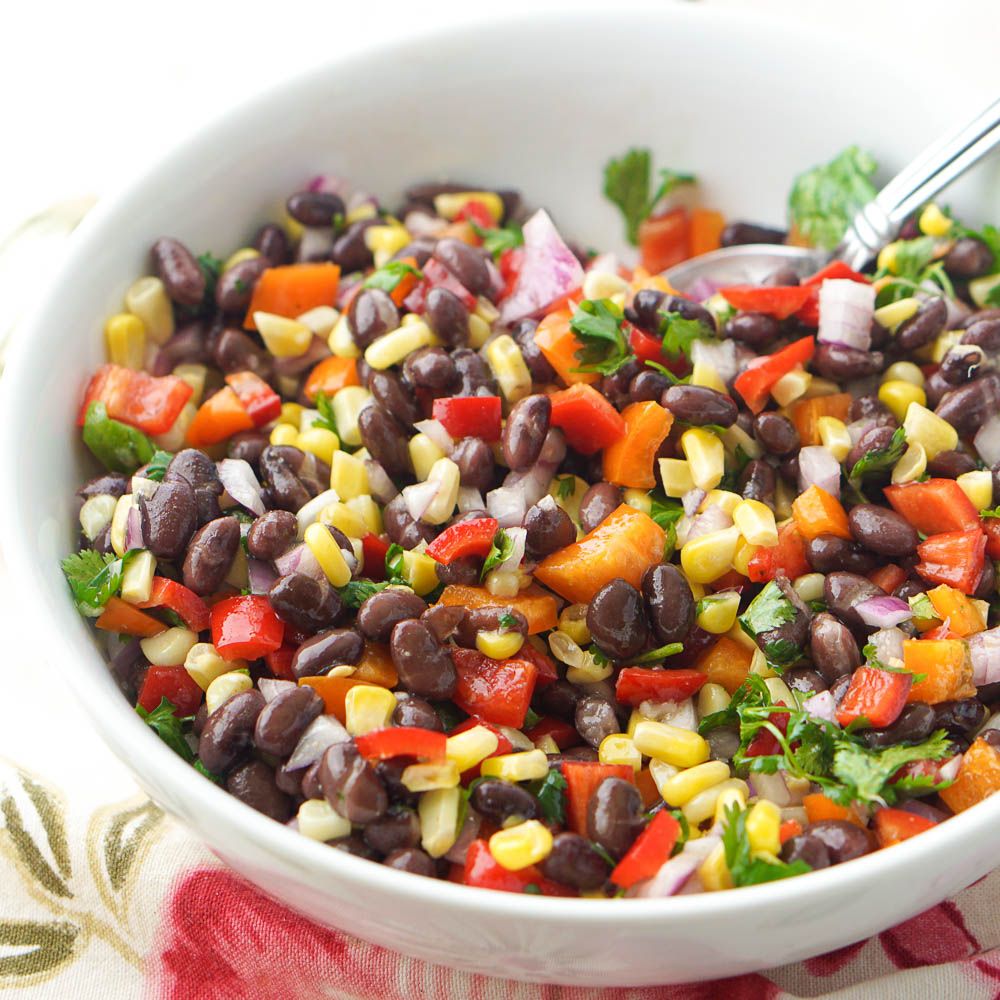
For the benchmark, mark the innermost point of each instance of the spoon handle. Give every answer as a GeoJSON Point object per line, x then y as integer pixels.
{"type": "Point", "coordinates": [937, 166]}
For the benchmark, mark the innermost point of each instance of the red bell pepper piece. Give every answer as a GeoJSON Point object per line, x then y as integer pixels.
{"type": "Point", "coordinates": [582, 778]}
{"type": "Point", "coordinates": [151, 403]}
{"type": "Point", "coordinates": [279, 661]}
{"type": "Point", "coordinates": [544, 664]}
{"type": "Point", "coordinates": [888, 577]}
{"type": "Point", "coordinates": [561, 732]}
{"type": "Point", "coordinates": [438, 276]}
{"type": "Point", "coordinates": [809, 313]}
{"type": "Point", "coordinates": [483, 871]}
{"type": "Point", "coordinates": [934, 506]}
{"type": "Point", "coordinates": [588, 420]}
{"type": "Point", "coordinates": [893, 826]}
{"type": "Point", "coordinates": [788, 557]}
{"type": "Point", "coordinates": [765, 743]}
{"type": "Point", "coordinates": [260, 401]}
{"type": "Point", "coordinates": [954, 557]}
{"type": "Point", "coordinates": [245, 627]}
{"type": "Point", "coordinates": [779, 301]}
{"type": "Point", "coordinates": [173, 683]}
{"type": "Point", "coordinates": [402, 741]}
{"type": "Point", "coordinates": [182, 601]}
{"type": "Point", "coordinates": [467, 538]}
{"type": "Point", "coordinates": [790, 828]}
{"type": "Point", "coordinates": [374, 550]}
{"type": "Point", "coordinates": [510, 263]}
{"type": "Point", "coordinates": [650, 850]}
{"type": "Point", "coordinates": [639, 684]}
{"type": "Point", "coordinates": [475, 211]}
{"type": "Point", "coordinates": [878, 695]}
{"type": "Point", "coordinates": [991, 528]}
{"type": "Point", "coordinates": [665, 240]}
{"type": "Point", "coordinates": [755, 383]}
{"type": "Point", "coordinates": [498, 691]}
{"type": "Point", "coordinates": [469, 416]}
{"type": "Point", "coordinates": [646, 347]}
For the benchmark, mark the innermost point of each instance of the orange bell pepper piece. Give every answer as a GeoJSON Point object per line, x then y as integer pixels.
{"type": "Point", "coordinates": [806, 413]}
{"type": "Point", "coordinates": [538, 607]}
{"type": "Point", "coordinates": [946, 664]}
{"type": "Point", "coordinates": [218, 418]}
{"type": "Point", "coordinates": [726, 662]}
{"type": "Point", "coordinates": [293, 289]}
{"type": "Point", "coordinates": [376, 666]}
{"type": "Point", "coordinates": [893, 826]}
{"type": "Point", "coordinates": [331, 375]}
{"type": "Point", "coordinates": [333, 691]}
{"type": "Point", "coordinates": [978, 777]}
{"type": "Point", "coordinates": [952, 605]}
{"type": "Point", "coordinates": [120, 616]}
{"type": "Point", "coordinates": [559, 344]}
{"type": "Point", "coordinates": [818, 807]}
{"type": "Point", "coordinates": [818, 513]}
{"type": "Point", "coordinates": [630, 461]}
{"type": "Point", "coordinates": [706, 231]}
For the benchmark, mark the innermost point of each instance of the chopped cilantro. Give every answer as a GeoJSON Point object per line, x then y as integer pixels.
{"type": "Point", "coordinates": [665, 512]}
{"type": "Point", "coordinates": [566, 486]}
{"type": "Point", "coordinates": [94, 578]}
{"type": "Point", "coordinates": [531, 718]}
{"type": "Point", "coordinates": [500, 238]}
{"type": "Point", "coordinates": [599, 658]}
{"type": "Point", "coordinates": [920, 605]}
{"type": "Point", "coordinates": [869, 771]}
{"type": "Point", "coordinates": [326, 418]}
{"type": "Point", "coordinates": [881, 459]}
{"type": "Point", "coordinates": [679, 334]}
{"type": "Point", "coordinates": [551, 794]}
{"type": "Point", "coordinates": [507, 621]}
{"type": "Point", "coordinates": [670, 542]}
{"type": "Point", "coordinates": [211, 268]}
{"type": "Point", "coordinates": [201, 769]}
{"type": "Point", "coordinates": [119, 447]}
{"type": "Point", "coordinates": [664, 370]}
{"type": "Point", "coordinates": [500, 550]}
{"type": "Point", "coordinates": [769, 610]}
{"type": "Point", "coordinates": [626, 184]}
{"type": "Point", "coordinates": [168, 727]}
{"type": "Point", "coordinates": [744, 868]}
{"type": "Point", "coordinates": [532, 890]}
{"type": "Point", "coordinates": [824, 200]}
{"type": "Point", "coordinates": [389, 275]}
{"type": "Point", "coordinates": [356, 592]}
{"type": "Point", "coordinates": [655, 655]}
{"type": "Point", "coordinates": [156, 468]}
{"type": "Point", "coordinates": [449, 714]}
{"type": "Point", "coordinates": [995, 512]}
{"type": "Point", "coordinates": [598, 324]}
{"type": "Point", "coordinates": [394, 565]}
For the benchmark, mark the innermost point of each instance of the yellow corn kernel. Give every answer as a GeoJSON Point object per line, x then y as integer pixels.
{"type": "Point", "coordinates": [393, 347]}
{"type": "Point", "coordinates": [137, 578]}
{"type": "Point", "coordinates": [318, 820]}
{"type": "Point", "coordinates": [896, 313]}
{"type": "Point", "coordinates": [619, 749]}
{"type": "Point", "coordinates": [499, 645]}
{"type": "Point", "coordinates": [706, 457]}
{"type": "Point", "coordinates": [507, 364]}
{"type": "Point", "coordinates": [740, 637]}
{"type": "Point", "coordinates": [573, 621]}
{"type": "Point", "coordinates": [760, 666]}
{"type": "Point", "coordinates": [933, 222]}
{"type": "Point", "coordinates": [524, 766]}
{"type": "Point", "coordinates": [204, 664]}
{"type": "Point", "coordinates": [224, 687]}
{"type": "Point", "coordinates": [347, 405]}
{"type": "Point", "coordinates": [519, 846]}
{"type": "Point", "coordinates": [926, 428]}
{"type": "Point", "coordinates": [239, 573]}
{"type": "Point", "coordinates": [449, 204]}
{"type": "Point", "coordinates": [423, 454]}
{"type": "Point", "coordinates": [369, 512]}
{"type": "Point", "coordinates": [903, 371]}
{"type": "Point", "coordinates": [660, 772]}
{"type": "Point", "coordinates": [762, 825]}
{"type": "Point", "coordinates": [735, 437]}
{"type": "Point", "coordinates": [292, 414]}
{"type": "Point", "coordinates": [980, 289]}
{"type": "Point", "coordinates": [633, 720]}
{"type": "Point", "coordinates": [638, 500]}
{"type": "Point", "coordinates": [547, 744]}
{"type": "Point", "coordinates": [887, 257]}
{"type": "Point", "coordinates": [675, 474]}
{"type": "Point", "coordinates": [809, 586]}
{"type": "Point", "coordinates": [500, 583]}
{"type": "Point", "coordinates": [588, 670]}
{"type": "Point", "coordinates": [366, 210]}
{"type": "Point", "coordinates": [780, 691]}
{"type": "Point", "coordinates": [712, 698]}
{"type": "Point", "coordinates": [283, 337]}
{"type": "Point", "coordinates": [602, 285]}
{"type": "Point", "coordinates": [702, 806]}
{"type": "Point", "coordinates": [283, 434]}
{"type": "Point", "coordinates": [427, 777]}
{"type": "Point", "coordinates": [348, 476]}
{"type": "Point", "coordinates": [730, 797]}
{"type": "Point", "coordinates": [420, 572]}
{"type": "Point", "coordinates": [471, 747]}
{"type": "Point", "coordinates": [440, 509]}
{"type": "Point", "coordinates": [479, 331]}
{"type": "Point", "coordinates": [713, 872]}
{"type": "Point", "coordinates": [118, 522]}
{"type": "Point", "coordinates": [344, 519]}
{"type": "Point", "coordinates": [756, 521]}
{"type": "Point", "coordinates": [717, 612]}
{"type": "Point", "coordinates": [792, 386]}
{"type": "Point", "coordinates": [704, 374]}
{"type": "Point", "coordinates": [721, 498]}
{"type": "Point", "coordinates": [195, 376]}
{"type": "Point", "coordinates": [672, 745]}
{"type": "Point", "coordinates": [384, 241]}
{"type": "Point", "coordinates": [341, 340]}
{"type": "Point", "coordinates": [125, 336]}
{"type": "Point", "coordinates": [568, 498]}
{"type": "Point", "coordinates": [744, 553]}
{"type": "Point", "coordinates": [686, 784]}
{"type": "Point", "coordinates": [319, 441]}
{"type": "Point", "coordinates": [898, 395]}
{"type": "Point", "coordinates": [96, 514]}
{"type": "Point", "coordinates": [331, 560]}
{"type": "Point", "coordinates": [321, 320]}
{"type": "Point", "coordinates": [834, 436]}
{"type": "Point", "coordinates": [239, 256]}
{"type": "Point", "coordinates": [147, 298]}
{"type": "Point", "coordinates": [911, 466]}
{"type": "Point", "coordinates": [438, 814]}
{"type": "Point", "coordinates": [367, 708]}
{"type": "Point", "coordinates": [707, 557]}
{"type": "Point", "coordinates": [978, 487]}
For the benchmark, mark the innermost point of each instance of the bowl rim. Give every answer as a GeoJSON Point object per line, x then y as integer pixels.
{"type": "Point", "coordinates": [140, 751]}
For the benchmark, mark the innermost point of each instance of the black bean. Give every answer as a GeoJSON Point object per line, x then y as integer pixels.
{"type": "Point", "coordinates": [402, 528]}
{"type": "Point", "coordinates": [235, 286]}
{"type": "Point", "coordinates": [913, 725]}
{"type": "Point", "coordinates": [647, 386]}
{"type": "Point", "coordinates": [574, 862]}
{"type": "Point", "coordinates": [171, 514]}
{"type": "Point", "coordinates": [644, 311]}
{"type": "Point", "coordinates": [843, 363]}
{"type": "Point", "coordinates": [248, 446]}
{"type": "Point", "coordinates": [412, 860]}
{"type": "Point", "coordinates": [390, 773]}
{"type": "Point", "coordinates": [302, 602]}
{"type": "Point", "coordinates": [386, 441]}
{"type": "Point", "coordinates": [669, 603]}
{"type": "Point", "coordinates": [936, 388]}
{"type": "Point", "coordinates": [371, 314]}
{"type": "Point", "coordinates": [961, 363]}
{"type": "Point", "coordinates": [424, 666]}
{"type": "Point", "coordinates": [523, 333]}
{"type": "Point", "coordinates": [863, 407]}
{"type": "Point", "coordinates": [254, 783]}
{"type": "Point", "coordinates": [960, 718]}
{"type": "Point", "coordinates": [498, 619]}
{"type": "Point", "coordinates": [420, 249]}
{"type": "Point", "coordinates": [179, 271]}
{"type": "Point", "coordinates": [950, 464]}
{"type": "Point", "coordinates": [829, 553]}
{"type": "Point", "coordinates": [882, 530]}
{"type": "Point", "coordinates": [383, 611]}
{"type": "Point", "coordinates": [877, 439]}
{"type": "Point", "coordinates": [225, 737]}
{"type": "Point", "coordinates": [757, 481]}
{"type": "Point", "coordinates": [548, 528]}
{"type": "Point", "coordinates": [210, 555]}
{"type": "Point", "coordinates": [597, 503]}
{"type": "Point", "coordinates": [525, 430]}
{"type": "Point", "coordinates": [285, 718]}
{"type": "Point", "coordinates": [474, 376]}
{"type": "Point", "coordinates": [969, 257]}
{"type": "Point", "coordinates": [752, 328]}
{"type": "Point", "coordinates": [776, 433]}
{"type": "Point", "coordinates": [475, 462]}
{"type": "Point", "coordinates": [315, 208]}
{"type": "Point", "coordinates": [697, 404]}
{"type": "Point", "coordinates": [839, 688]}
{"type": "Point", "coordinates": [272, 244]}
{"type": "Point", "coordinates": [833, 648]}
{"type": "Point", "coordinates": [842, 840]}
{"type": "Point", "coordinates": [355, 845]}
{"type": "Point", "coordinates": [463, 571]}
{"type": "Point", "coordinates": [783, 277]}
{"type": "Point", "coordinates": [188, 346]}
{"type": "Point", "coordinates": [805, 680]}
{"type": "Point", "coordinates": [987, 586]}
{"type": "Point", "coordinates": [573, 753]}
{"type": "Point", "coordinates": [413, 711]}
{"type": "Point", "coordinates": [968, 407]}
{"type": "Point", "coordinates": [739, 233]}
{"type": "Point", "coordinates": [397, 829]}
{"type": "Point", "coordinates": [560, 699]}
{"type": "Point", "coordinates": [109, 484]}
{"type": "Point", "coordinates": [321, 652]}
{"type": "Point", "coordinates": [803, 847]}
{"type": "Point", "coordinates": [271, 534]}
{"type": "Point", "coordinates": [234, 351]}
{"type": "Point", "coordinates": [984, 333]}
{"type": "Point", "coordinates": [443, 619]}
{"type": "Point", "coordinates": [351, 785]}
{"type": "Point", "coordinates": [447, 316]}
{"type": "Point", "coordinates": [617, 620]}
{"type": "Point", "coordinates": [614, 816]}
{"type": "Point", "coordinates": [924, 327]}
{"type": "Point", "coordinates": [497, 800]}
{"type": "Point", "coordinates": [465, 263]}
{"type": "Point", "coordinates": [431, 369]}
{"type": "Point", "coordinates": [350, 250]}
{"type": "Point", "coordinates": [595, 719]}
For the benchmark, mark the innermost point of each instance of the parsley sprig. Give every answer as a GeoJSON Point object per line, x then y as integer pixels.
{"type": "Point", "coordinates": [599, 326]}
{"type": "Point", "coordinates": [169, 727]}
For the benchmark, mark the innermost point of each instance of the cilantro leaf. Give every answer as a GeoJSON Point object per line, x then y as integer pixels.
{"type": "Point", "coordinates": [566, 487]}
{"type": "Point", "coordinates": [599, 658]}
{"type": "Point", "coordinates": [217, 778]}
{"type": "Point", "coordinates": [769, 610]}
{"type": "Point", "coordinates": [551, 794]}
{"type": "Point", "coordinates": [670, 179]}
{"type": "Point", "coordinates": [500, 550]}
{"type": "Point", "coordinates": [500, 238]}
{"type": "Point", "coordinates": [326, 418]}
{"type": "Point", "coordinates": [881, 459]}
{"type": "Point", "coordinates": [665, 512]}
{"type": "Point", "coordinates": [679, 334]}
{"type": "Point", "coordinates": [598, 324]}
{"type": "Point", "coordinates": [168, 727]}
{"type": "Point", "coordinates": [655, 655]}
{"type": "Point", "coordinates": [507, 621]}
{"type": "Point", "coordinates": [531, 719]}
{"type": "Point", "coordinates": [824, 200]}
{"type": "Point", "coordinates": [356, 592]}
{"type": "Point", "coordinates": [450, 715]}
{"type": "Point", "coordinates": [94, 578]}
{"type": "Point", "coordinates": [390, 274]}
{"type": "Point", "coordinates": [920, 605]}
{"type": "Point", "coordinates": [118, 446]}
{"type": "Point", "coordinates": [532, 890]}
{"type": "Point", "coordinates": [626, 183]}
{"type": "Point", "coordinates": [394, 564]}
{"type": "Point", "coordinates": [995, 512]}
{"type": "Point", "coordinates": [156, 468]}
{"type": "Point", "coordinates": [743, 867]}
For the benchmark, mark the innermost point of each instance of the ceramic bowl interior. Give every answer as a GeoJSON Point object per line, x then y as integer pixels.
{"type": "Point", "coordinates": [538, 103]}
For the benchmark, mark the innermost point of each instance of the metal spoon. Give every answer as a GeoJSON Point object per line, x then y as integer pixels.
{"type": "Point", "coordinates": [875, 224]}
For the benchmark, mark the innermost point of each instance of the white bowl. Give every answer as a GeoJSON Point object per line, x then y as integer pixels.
{"type": "Point", "coordinates": [539, 104]}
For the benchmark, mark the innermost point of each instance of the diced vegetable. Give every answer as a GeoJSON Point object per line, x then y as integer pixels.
{"type": "Point", "coordinates": [947, 668]}
{"type": "Point", "coordinates": [498, 691]}
{"type": "Point", "coordinates": [150, 403]}
{"type": "Point", "coordinates": [218, 419]}
{"type": "Point", "coordinates": [877, 695]}
{"type": "Point", "coordinates": [469, 416]}
{"type": "Point", "coordinates": [173, 683]}
{"type": "Point", "coordinates": [245, 627]}
{"type": "Point", "coordinates": [468, 538]}
{"type": "Point", "coordinates": [588, 420]}
{"type": "Point", "coordinates": [582, 779]}
{"type": "Point", "coordinates": [179, 599]}
{"type": "Point", "coordinates": [651, 849]}
{"type": "Point", "coordinates": [754, 384]}
{"type": "Point", "coordinates": [631, 461]}
{"type": "Point", "coordinates": [954, 558]}
{"type": "Point", "coordinates": [935, 506]}
{"type": "Point", "coordinates": [772, 300]}
{"type": "Point", "coordinates": [293, 289]}
{"type": "Point", "coordinates": [537, 606]}
{"type": "Point", "coordinates": [978, 777]}
{"type": "Point", "coordinates": [665, 240]}
{"type": "Point", "coordinates": [818, 513]}
{"type": "Point", "coordinates": [331, 375]}
{"type": "Point", "coordinates": [638, 684]}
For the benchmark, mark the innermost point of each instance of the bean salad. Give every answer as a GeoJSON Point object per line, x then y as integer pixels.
{"type": "Point", "coordinates": [489, 558]}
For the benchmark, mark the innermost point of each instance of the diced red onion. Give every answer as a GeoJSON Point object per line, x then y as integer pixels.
{"type": "Point", "coordinates": [261, 575]}
{"type": "Point", "coordinates": [241, 484]}
{"type": "Point", "coordinates": [316, 242]}
{"type": "Point", "coordinates": [845, 312]}
{"type": "Point", "coordinates": [420, 223]}
{"type": "Point", "coordinates": [323, 732]}
{"type": "Point", "coordinates": [299, 559]}
{"type": "Point", "coordinates": [345, 292]}
{"type": "Point", "coordinates": [857, 429]}
{"type": "Point", "coordinates": [133, 529]}
{"type": "Point", "coordinates": [311, 509]}
{"type": "Point", "coordinates": [317, 350]}
{"type": "Point", "coordinates": [712, 518]}
{"type": "Point", "coordinates": [817, 467]}
{"type": "Point", "coordinates": [672, 874]}
{"type": "Point", "coordinates": [984, 652]}
{"type": "Point", "coordinates": [469, 498]}
{"type": "Point", "coordinates": [821, 706]}
{"type": "Point", "coordinates": [888, 643]}
{"type": "Point", "coordinates": [549, 270]}
{"type": "Point", "coordinates": [773, 787]}
{"type": "Point", "coordinates": [414, 302]}
{"type": "Point", "coordinates": [691, 501]}
{"type": "Point", "coordinates": [883, 612]}
{"type": "Point", "coordinates": [434, 429]}
{"type": "Point", "coordinates": [420, 496]}
{"type": "Point", "coordinates": [271, 687]}
{"type": "Point", "coordinates": [719, 355]}
{"type": "Point", "coordinates": [948, 771]}
{"type": "Point", "coordinates": [382, 487]}
{"type": "Point", "coordinates": [330, 184]}
{"type": "Point", "coordinates": [702, 289]}
{"type": "Point", "coordinates": [604, 263]}
{"type": "Point", "coordinates": [506, 504]}
{"type": "Point", "coordinates": [517, 537]}
{"type": "Point", "coordinates": [987, 440]}
{"type": "Point", "coordinates": [553, 448]}
{"type": "Point", "coordinates": [470, 829]}
{"type": "Point", "coordinates": [497, 282]}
